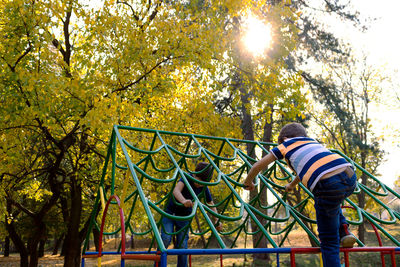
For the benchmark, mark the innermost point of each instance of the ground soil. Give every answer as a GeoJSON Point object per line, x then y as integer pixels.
{"type": "Point", "coordinates": [296, 239]}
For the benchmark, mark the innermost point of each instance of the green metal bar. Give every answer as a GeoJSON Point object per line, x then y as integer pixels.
{"type": "Point", "coordinates": [140, 191]}
{"type": "Point", "coordinates": [97, 200]}
{"type": "Point", "coordinates": [192, 135]}
{"type": "Point", "coordinates": [195, 196]}
{"type": "Point", "coordinates": [268, 180]}
{"type": "Point", "coordinates": [113, 165]}
{"type": "Point", "coordinates": [394, 240]}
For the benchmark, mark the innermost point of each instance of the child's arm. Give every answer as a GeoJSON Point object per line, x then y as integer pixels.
{"type": "Point", "coordinates": [178, 195]}
{"type": "Point", "coordinates": [290, 186]}
{"type": "Point", "coordinates": [257, 167]}
{"type": "Point", "coordinates": [214, 209]}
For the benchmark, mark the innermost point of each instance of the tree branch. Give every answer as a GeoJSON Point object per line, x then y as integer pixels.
{"type": "Point", "coordinates": [144, 75]}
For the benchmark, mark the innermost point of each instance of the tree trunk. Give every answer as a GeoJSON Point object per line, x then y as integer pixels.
{"type": "Point", "coordinates": [361, 204]}
{"type": "Point", "coordinates": [199, 228]}
{"type": "Point", "coordinates": [42, 243]}
{"type": "Point", "coordinates": [263, 200]}
{"type": "Point", "coordinates": [7, 246]}
{"type": "Point", "coordinates": [66, 218]}
{"type": "Point", "coordinates": [34, 242]}
{"type": "Point", "coordinates": [132, 243]}
{"type": "Point", "coordinates": [267, 135]}
{"type": "Point", "coordinates": [72, 243]}
{"type": "Point", "coordinates": [62, 253]}
{"type": "Point", "coordinates": [263, 243]}
{"type": "Point", "coordinates": [293, 202]}
{"type": "Point", "coordinates": [28, 255]}
{"type": "Point", "coordinates": [361, 199]}
{"type": "Point", "coordinates": [96, 233]}
{"type": "Point", "coordinates": [33, 255]}
{"type": "Point", "coordinates": [248, 133]}
{"type": "Point", "coordinates": [18, 243]}
{"type": "Point", "coordinates": [57, 243]}
{"type": "Point", "coordinates": [96, 236]}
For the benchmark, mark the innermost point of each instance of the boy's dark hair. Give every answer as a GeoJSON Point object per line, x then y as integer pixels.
{"type": "Point", "coordinates": [290, 130]}
{"type": "Point", "coordinates": [205, 171]}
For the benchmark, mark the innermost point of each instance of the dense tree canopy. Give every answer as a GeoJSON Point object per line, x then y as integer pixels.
{"type": "Point", "coordinates": [70, 69]}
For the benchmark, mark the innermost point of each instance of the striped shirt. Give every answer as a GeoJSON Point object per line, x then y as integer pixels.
{"type": "Point", "coordinates": [309, 159]}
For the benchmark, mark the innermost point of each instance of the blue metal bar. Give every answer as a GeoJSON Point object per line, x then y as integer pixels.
{"type": "Point", "coordinates": [277, 260]}
{"type": "Point", "coordinates": [163, 262]}
{"type": "Point", "coordinates": [215, 251]}
{"type": "Point", "coordinates": [222, 251]}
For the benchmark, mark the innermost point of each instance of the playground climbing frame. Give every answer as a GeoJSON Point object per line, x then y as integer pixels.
{"type": "Point", "coordinates": [142, 166]}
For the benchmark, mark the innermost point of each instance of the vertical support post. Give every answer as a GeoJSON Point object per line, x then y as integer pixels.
{"type": "Point", "coordinates": [321, 262]}
{"type": "Point", "coordinates": [277, 260]}
{"type": "Point", "coordinates": [221, 260]}
{"type": "Point", "coordinates": [83, 262]}
{"type": "Point", "coordinates": [158, 263]}
{"type": "Point", "coordinates": [292, 259]}
{"type": "Point", "coordinates": [163, 262]}
{"type": "Point", "coordinates": [346, 259]}
{"type": "Point", "coordinates": [392, 254]}
{"type": "Point", "coordinates": [383, 259]}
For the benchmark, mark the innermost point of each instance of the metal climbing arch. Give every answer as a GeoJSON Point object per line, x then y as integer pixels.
{"type": "Point", "coordinates": [142, 167]}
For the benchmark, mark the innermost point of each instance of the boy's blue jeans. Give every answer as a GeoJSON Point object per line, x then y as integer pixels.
{"type": "Point", "coordinates": [328, 196]}
{"type": "Point", "coordinates": [181, 238]}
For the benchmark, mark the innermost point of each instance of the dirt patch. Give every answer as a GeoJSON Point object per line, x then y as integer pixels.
{"type": "Point", "coordinates": [48, 260]}
{"type": "Point", "coordinates": [297, 238]}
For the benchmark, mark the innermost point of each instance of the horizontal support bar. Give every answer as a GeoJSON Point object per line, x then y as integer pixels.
{"type": "Point", "coordinates": [300, 250]}
{"type": "Point", "coordinates": [355, 249]}
{"type": "Point", "coordinates": [119, 253]}
{"type": "Point", "coordinates": [148, 257]}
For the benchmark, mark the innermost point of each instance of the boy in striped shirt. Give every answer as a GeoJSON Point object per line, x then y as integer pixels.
{"type": "Point", "coordinates": [327, 175]}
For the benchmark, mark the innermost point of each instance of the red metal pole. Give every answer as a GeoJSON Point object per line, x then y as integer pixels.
{"type": "Point", "coordinates": [346, 259]}
{"type": "Point", "coordinates": [383, 259]}
{"type": "Point", "coordinates": [292, 259]}
{"type": "Point", "coordinates": [122, 222]}
{"type": "Point", "coordinates": [393, 258]}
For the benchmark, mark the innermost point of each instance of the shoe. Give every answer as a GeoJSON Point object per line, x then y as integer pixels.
{"type": "Point", "coordinates": [347, 239]}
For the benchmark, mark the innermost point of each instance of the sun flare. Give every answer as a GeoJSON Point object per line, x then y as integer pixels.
{"type": "Point", "coordinates": [257, 37]}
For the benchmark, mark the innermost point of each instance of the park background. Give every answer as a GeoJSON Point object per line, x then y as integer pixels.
{"type": "Point", "coordinates": [72, 69]}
